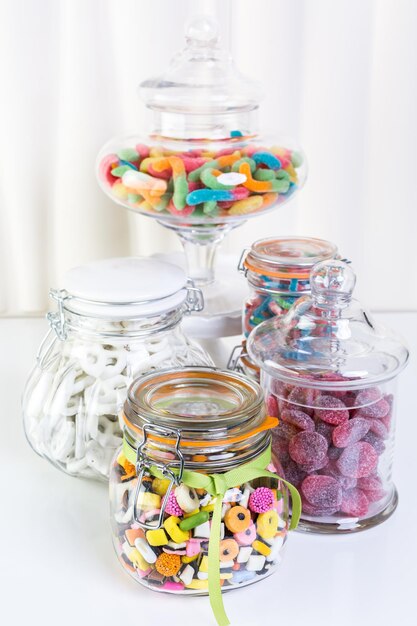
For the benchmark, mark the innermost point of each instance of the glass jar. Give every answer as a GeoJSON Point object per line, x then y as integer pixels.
{"type": "Point", "coordinates": [195, 499]}
{"type": "Point", "coordinates": [329, 373]}
{"type": "Point", "coordinates": [278, 273]}
{"type": "Point", "coordinates": [204, 168]}
{"type": "Point", "coordinates": [117, 319]}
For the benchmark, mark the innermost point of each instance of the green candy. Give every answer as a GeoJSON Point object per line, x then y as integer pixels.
{"type": "Point", "coordinates": [128, 154]}
{"type": "Point", "coordinates": [296, 159]}
{"type": "Point", "coordinates": [210, 180]}
{"type": "Point", "coordinates": [282, 175]}
{"type": "Point", "coordinates": [237, 164]}
{"type": "Point", "coordinates": [281, 185]}
{"type": "Point", "coordinates": [119, 171]}
{"type": "Point", "coordinates": [180, 192]}
{"type": "Point", "coordinates": [194, 176]}
{"type": "Point", "coordinates": [134, 197]}
{"type": "Point", "coordinates": [262, 174]}
{"type": "Point", "coordinates": [194, 520]}
{"type": "Point", "coordinates": [209, 207]}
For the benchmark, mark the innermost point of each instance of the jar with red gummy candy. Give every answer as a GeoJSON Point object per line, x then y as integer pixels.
{"type": "Point", "coordinates": [329, 374]}
{"type": "Point", "coordinates": [196, 503]}
{"type": "Point", "coordinates": [278, 273]}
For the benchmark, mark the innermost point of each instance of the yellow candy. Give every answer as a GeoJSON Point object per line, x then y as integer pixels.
{"type": "Point", "coordinates": [148, 500]}
{"type": "Point", "coordinates": [204, 564]}
{"type": "Point", "coordinates": [196, 583]}
{"type": "Point", "coordinates": [138, 560]}
{"type": "Point", "coordinates": [157, 537]}
{"type": "Point", "coordinates": [267, 524]}
{"type": "Point", "coordinates": [189, 559]}
{"type": "Point", "coordinates": [261, 547]}
{"type": "Point", "coordinates": [192, 513]}
{"type": "Point", "coordinates": [160, 485]}
{"type": "Point", "coordinates": [248, 205]}
{"type": "Point", "coordinates": [291, 171]}
{"type": "Point", "coordinates": [174, 531]}
{"type": "Point", "coordinates": [225, 575]}
{"type": "Point", "coordinates": [120, 191]}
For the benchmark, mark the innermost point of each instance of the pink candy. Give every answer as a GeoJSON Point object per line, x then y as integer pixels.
{"type": "Point", "coordinates": [308, 448]}
{"type": "Point", "coordinates": [332, 410]}
{"type": "Point", "coordinates": [172, 507]}
{"type": "Point", "coordinates": [357, 460]}
{"type": "Point", "coordinates": [261, 500]}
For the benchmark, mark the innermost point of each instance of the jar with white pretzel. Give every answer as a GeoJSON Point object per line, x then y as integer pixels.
{"type": "Point", "coordinates": [117, 319]}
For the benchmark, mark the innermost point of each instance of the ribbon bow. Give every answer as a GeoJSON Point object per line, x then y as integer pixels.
{"type": "Point", "coordinates": [217, 485]}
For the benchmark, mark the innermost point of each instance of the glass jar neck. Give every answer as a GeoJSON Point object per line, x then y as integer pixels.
{"type": "Point", "coordinates": [72, 323]}
{"type": "Point", "coordinates": [205, 125]}
{"type": "Point", "coordinates": [289, 286]}
{"type": "Point", "coordinates": [217, 458]}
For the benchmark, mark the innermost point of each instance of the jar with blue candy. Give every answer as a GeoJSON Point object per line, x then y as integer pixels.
{"type": "Point", "coordinates": [197, 505]}
{"type": "Point", "coordinates": [278, 273]}
{"type": "Point", "coordinates": [329, 372]}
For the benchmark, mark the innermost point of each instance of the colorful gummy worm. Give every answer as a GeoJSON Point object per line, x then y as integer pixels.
{"type": "Point", "coordinates": [202, 183]}
{"type": "Point", "coordinates": [270, 298]}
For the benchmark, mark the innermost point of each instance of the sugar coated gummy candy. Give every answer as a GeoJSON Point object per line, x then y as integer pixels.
{"type": "Point", "coordinates": [354, 502]}
{"type": "Point", "coordinates": [307, 448]}
{"type": "Point", "coordinates": [357, 460]}
{"type": "Point", "coordinates": [298, 418]}
{"type": "Point", "coordinates": [323, 492]}
{"type": "Point", "coordinates": [332, 410]}
{"type": "Point", "coordinates": [350, 432]}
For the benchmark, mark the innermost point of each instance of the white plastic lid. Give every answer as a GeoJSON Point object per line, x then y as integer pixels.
{"type": "Point", "coordinates": [124, 288]}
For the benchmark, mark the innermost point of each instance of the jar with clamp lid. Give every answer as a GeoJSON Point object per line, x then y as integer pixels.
{"type": "Point", "coordinates": [196, 502]}
{"type": "Point", "coordinates": [117, 319]}
{"type": "Point", "coordinates": [329, 372]}
{"type": "Point", "coordinates": [278, 273]}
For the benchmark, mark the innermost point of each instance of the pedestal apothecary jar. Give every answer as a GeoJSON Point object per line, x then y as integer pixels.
{"type": "Point", "coordinates": [329, 372]}
{"type": "Point", "coordinates": [278, 273]}
{"type": "Point", "coordinates": [196, 504]}
{"type": "Point", "coordinates": [117, 319]}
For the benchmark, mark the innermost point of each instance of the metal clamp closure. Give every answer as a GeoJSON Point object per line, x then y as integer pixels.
{"type": "Point", "coordinates": [234, 362]}
{"type": "Point", "coordinates": [195, 299]}
{"type": "Point", "coordinates": [172, 470]}
{"type": "Point", "coordinates": [57, 320]}
{"type": "Point", "coordinates": [240, 266]}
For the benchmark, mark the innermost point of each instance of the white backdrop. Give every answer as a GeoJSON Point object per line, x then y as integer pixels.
{"type": "Point", "coordinates": [340, 76]}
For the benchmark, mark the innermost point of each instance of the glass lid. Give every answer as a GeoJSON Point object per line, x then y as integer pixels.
{"type": "Point", "coordinates": [205, 404]}
{"type": "Point", "coordinates": [203, 162]}
{"type": "Point", "coordinates": [292, 254]}
{"type": "Point", "coordinates": [327, 333]}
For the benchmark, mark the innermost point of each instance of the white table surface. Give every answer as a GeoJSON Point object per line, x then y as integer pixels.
{"type": "Point", "coordinates": [58, 567]}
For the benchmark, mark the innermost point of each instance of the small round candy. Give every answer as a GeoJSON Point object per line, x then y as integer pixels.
{"type": "Point", "coordinates": [261, 500]}
{"type": "Point", "coordinates": [187, 498]}
{"type": "Point", "coordinates": [168, 564]}
{"type": "Point", "coordinates": [237, 519]}
{"type": "Point", "coordinates": [308, 447]}
{"type": "Point", "coordinates": [246, 537]}
{"type": "Point", "coordinates": [267, 524]}
{"type": "Point", "coordinates": [229, 550]}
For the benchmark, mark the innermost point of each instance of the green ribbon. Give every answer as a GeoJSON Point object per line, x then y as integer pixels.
{"type": "Point", "coordinates": [217, 485]}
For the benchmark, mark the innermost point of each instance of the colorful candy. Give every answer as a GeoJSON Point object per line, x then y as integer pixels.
{"type": "Point", "coordinates": [199, 183]}
{"type": "Point", "coordinates": [175, 556]}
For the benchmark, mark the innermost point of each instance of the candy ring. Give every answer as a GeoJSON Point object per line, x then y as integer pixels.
{"type": "Point", "coordinates": [229, 550]}
{"type": "Point", "coordinates": [187, 498]}
{"type": "Point", "coordinates": [246, 537]}
{"type": "Point", "coordinates": [92, 359]}
{"type": "Point", "coordinates": [267, 524]}
{"type": "Point", "coordinates": [237, 519]}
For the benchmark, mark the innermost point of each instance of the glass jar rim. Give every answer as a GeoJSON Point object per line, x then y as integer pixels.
{"type": "Point", "coordinates": [287, 257]}
{"type": "Point", "coordinates": [178, 399]}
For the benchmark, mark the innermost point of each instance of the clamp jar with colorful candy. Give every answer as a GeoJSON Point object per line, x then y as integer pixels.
{"type": "Point", "coordinates": [117, 319]}
{"type": "Point", "coordinates": [329, 373]}
{"type": "Point", "coordinates": [196, 503]}
{"type": "Point", "coordinates": [278, 273]}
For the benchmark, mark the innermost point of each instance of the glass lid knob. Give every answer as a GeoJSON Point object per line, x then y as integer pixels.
{"type": "Point", "coordinates": [332, 283]}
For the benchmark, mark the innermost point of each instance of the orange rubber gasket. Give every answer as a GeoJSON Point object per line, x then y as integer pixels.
{"type": "Point", "coordinates": [258, 270]}
{"type": "Point", "coordinates": [268, 423]}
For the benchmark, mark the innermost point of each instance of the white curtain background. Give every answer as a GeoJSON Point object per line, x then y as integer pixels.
{"type": "Point", "coordinates": [340, 76]}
